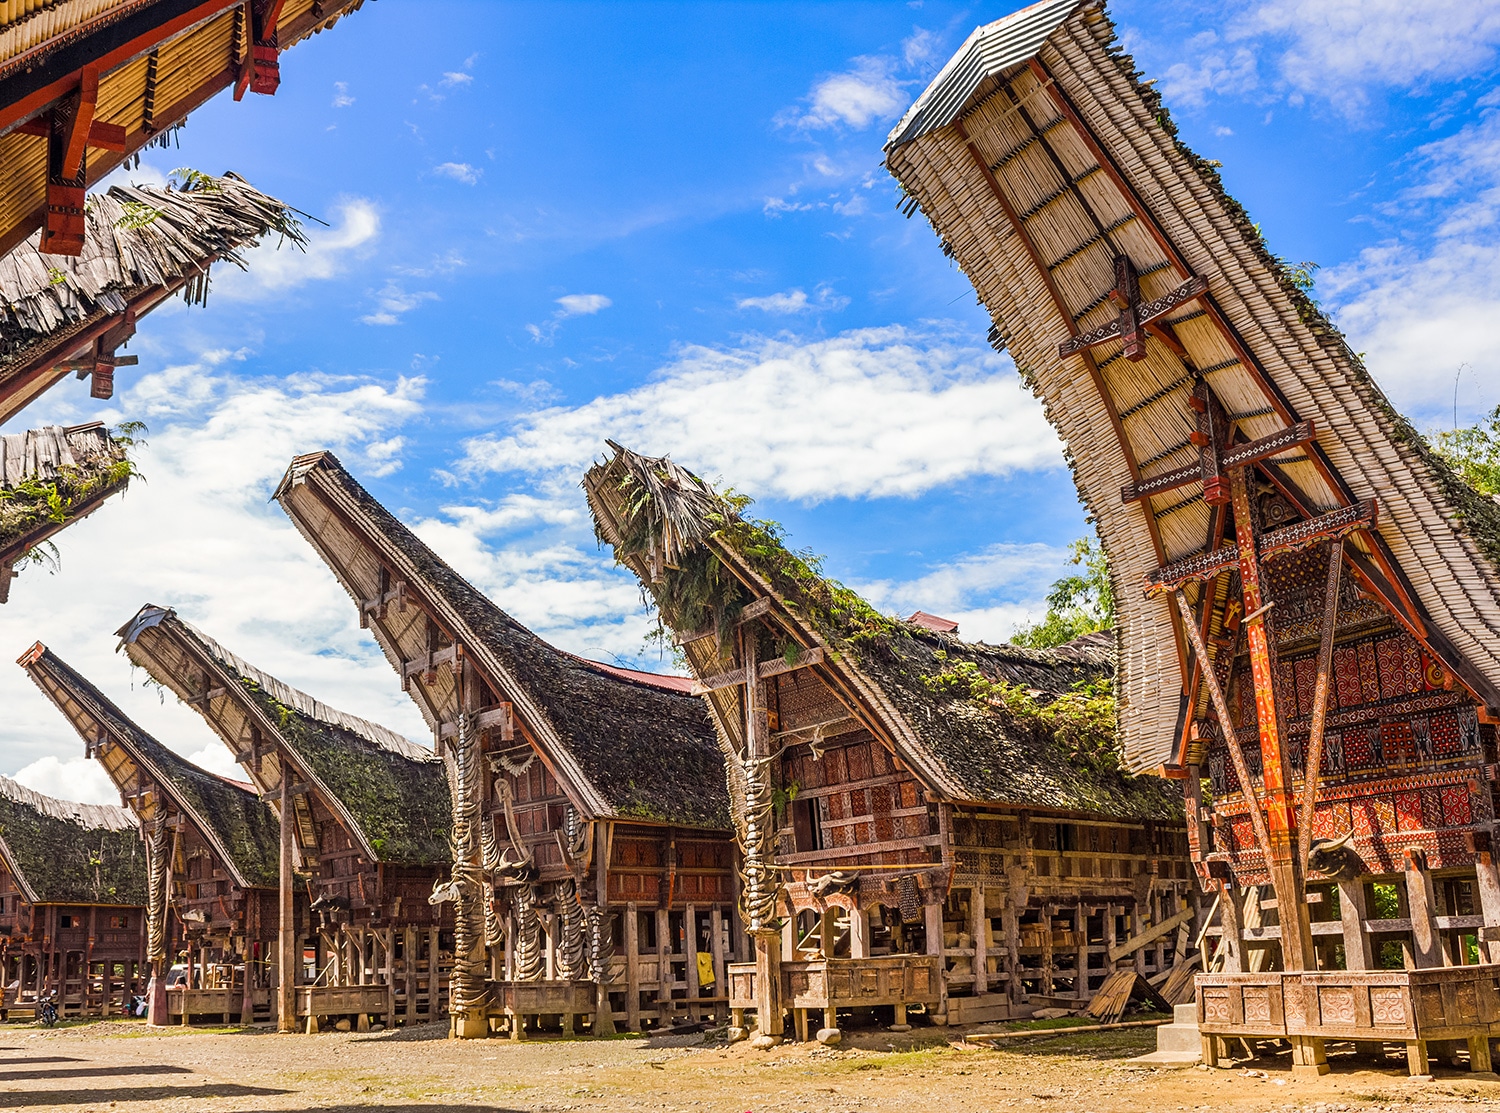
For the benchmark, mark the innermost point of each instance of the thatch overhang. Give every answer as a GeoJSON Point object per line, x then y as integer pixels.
{"type": "Point", "coordinates": [49, 479]}
{"type": "Point", "coordinates": [61, 852]}
{"type": "Point", "coordinates": [152, 780]}
{"type": "Point", "coordinates": [63, 315]}
{"type": "Point", "coordinates": [388, 793]}
{"type": "Point", "coordinates": [912, 687]}
{"type": "Point", "coordinates": [1040, 158]}
{"type": "Point", "coordinates": [621, 745]}
{"type": "Point", "coordinates": [87, 84]}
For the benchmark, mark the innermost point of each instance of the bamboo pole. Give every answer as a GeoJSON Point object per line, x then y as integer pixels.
{"type": "Point", "coordinates": [1320, 700]}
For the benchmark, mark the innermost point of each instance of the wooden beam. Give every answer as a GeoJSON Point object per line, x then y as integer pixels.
{"type": "Point", "coordinates": [730, 679]}
{"type": "Point", "coordinates": [498, 715]}
{"type": "Point", "coordinates": [757, 609]}
{"type": "Point", "coordinates": [805, 658]}
{"type": "Point", "coordinates": [1151, 934]}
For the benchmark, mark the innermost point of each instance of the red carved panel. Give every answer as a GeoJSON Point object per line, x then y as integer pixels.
{"type": "Point", "coordinates": [1409, 811]}
{"type": "Point", "coordinates": [1346, 676]}
{"type": "Point", "coordinates": [1369, 675]}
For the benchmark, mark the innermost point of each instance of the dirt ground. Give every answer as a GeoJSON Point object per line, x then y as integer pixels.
{"type": "Point", "coordinates": [122, 1065]}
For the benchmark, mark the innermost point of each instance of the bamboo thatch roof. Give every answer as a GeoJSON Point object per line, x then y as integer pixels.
{"type": "Point", "coordinates": [142, 65]}
{"type": "Point", "coordinates": [50, 478]}
{"type": "Point", "coordinates": [144, 244]}
{"type": "Point", "coordinates": [1040, 157]}
{"type": "Point", "coordinates": [61, 852]}
{"type": "Point", "coordinates": [229, 816]}
{"type": "Point", "coordinates": [390, 793]}
{"type": "Point", "coordinates": [958, 713]}
{"type": "Point", "coordinates": [622, 745]}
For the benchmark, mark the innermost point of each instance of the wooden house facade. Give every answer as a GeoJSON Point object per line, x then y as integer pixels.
{"type": "Point", "coordinates": [82, 466]}
{"type": "Point", "coordinates": [212, 857]}
{"type": "Point", "coordinates": [1322, 589]}
{"type": "Point", "coordinates": [62, 315]}
{"type": "Point", "coordinates": [72, 905]}
{"type": "Point", "coordinates": [363, 831]}
{"type": "Point", "coordinates": [910, 835]}
{"type": "Point", "coordinates": [593, 867]}
{"type": "Point", "coordinates": [87, 84]}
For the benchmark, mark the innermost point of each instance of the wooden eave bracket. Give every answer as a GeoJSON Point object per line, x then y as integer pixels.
{"type": "Point", "coordinates": [1299, 433]}
{"type": "Point", "coordinates": [490, 718]}
{"type": "Point", "coordinates": [764, 671]}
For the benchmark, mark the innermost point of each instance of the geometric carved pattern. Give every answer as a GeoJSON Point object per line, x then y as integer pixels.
{"type": "Point", "coordinates": [1216, 1005]}
{"type": "Point", "coordinates": [1336, 1004]}
{"type": "Point", "coordinates": [1257, 1004]}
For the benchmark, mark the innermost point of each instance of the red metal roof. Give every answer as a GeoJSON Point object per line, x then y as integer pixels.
{"type": "Point", "coordinates": [933, 622]}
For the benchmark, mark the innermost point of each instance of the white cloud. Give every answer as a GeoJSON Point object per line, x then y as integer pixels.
{"type": "Point", "coordinates": [569, 305]}
{"type": "Point", "coordinates": [582, 305]}
{"type": "Point", "coordinates": [871, 412]}
{"type": "Point", "coordinates": [988, 593]}
{"type": "Point", "coordinates": [393, 300]}
{"type": "Point", "coordinates": [341, 97]}
{"type": "Point", "coordinates": [1418, 312]}
{"type": "Point", "coordinates": [921, 48]}
{"type": "Point", "coordinates": [274, 271]}
{"type": "Point", "coordinates": [866, 93]}
{"type": "Point", "coordinates": [74, 778]}
{"type": "Point", "coordinates": [1216, 68]}
{"type": "Point", "coordinates": [1334, 45]}
{"type": "Point", "coordinates": [796, 301]}
{"type": "Point", "coordinates": [199, 534]}
{"type": "Point", "coordinates": [452, 78]}
{"type": "Point", "coordinates": [459, 172]}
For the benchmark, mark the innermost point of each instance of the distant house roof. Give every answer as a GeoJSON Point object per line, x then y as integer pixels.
{"type": "Point", "coordinates": [130, 71]}
{"type": "Point", "coordinates": [61, 852]}
{"type": "Point", "coordinates": [60, 314]}
{"type": "Point", "coordinates": [230, 815]}
{"type": "Point", "coordinates": [392, 791]}
{"type": "Point", "coordinates": [623, 743]}
{"type": "Point", "coordinates": [1043, 159]}
{"type": "Point", "coordinates": [50, 478]}
{"type": "Point", "coordinates": [917, 686]}
{"type": "Point", "coordinates": [933, 622]}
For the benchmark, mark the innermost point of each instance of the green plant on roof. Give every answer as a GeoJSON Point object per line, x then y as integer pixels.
{"type": "Point", "coordinates": [137, 215]}
{"type": "Point", "coordinates": [56, 276]}
{"type": "Point", "coordinates": [33, 501]}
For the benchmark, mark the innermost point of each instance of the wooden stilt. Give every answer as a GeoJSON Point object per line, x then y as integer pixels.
{"type": "Point", "coordinates": [288, 961]}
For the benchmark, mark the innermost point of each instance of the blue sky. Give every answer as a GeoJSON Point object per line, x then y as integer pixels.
{"type": "Point", "coordinates": [668, 224]}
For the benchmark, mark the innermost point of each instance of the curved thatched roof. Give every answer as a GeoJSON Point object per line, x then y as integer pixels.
{"type": "Point", "coordinates": [230, 816]}
{"type": "Point", "coordinates": [1040, 157]}
{"type": "Point", "coordinates": [49, 478]}
{"type": "Point", "coordinates": [144, 243]}
{"type": "Point", "coordinates": [61, 852]}
{"type": "Point", "coordinates": [970, 719]}
{"type": "Point", "coordinates": [626, 745]}
{"type": "Point", "coordinates": [390, 789]}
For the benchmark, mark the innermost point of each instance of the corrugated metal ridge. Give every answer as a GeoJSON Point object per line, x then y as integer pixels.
{"type": "Point", "coordinates": [111, 817]}
{"type": "Point", "coordinates": [994, 47]}
{"type": "Point", "coordinates": [311, 706]}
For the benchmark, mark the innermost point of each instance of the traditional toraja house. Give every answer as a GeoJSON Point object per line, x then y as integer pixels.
{"type": "Point", "coordinates": [1322, 591]}
{"type": "Point", "coordinates": [72, 904]}
{"type": "Point", "coordinates": [366, 842]}
{"type": "Point", "coordinates": [62, 316]}
{"type": "Point", "coordinates": [86, 84]}
{"type": "Point", "coordinates": [590, 800]}
{"type": "Point", "coordinates": [212, 849]}
{"type": "Point", "coordinates": [923, 821]}
{"type": "Point", "coordinates": [50, 478]}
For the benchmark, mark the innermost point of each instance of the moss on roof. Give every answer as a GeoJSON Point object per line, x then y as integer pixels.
{"type": "Point", "coordinates": [981, 711]}
{"type": "Point", "coordinates": [243, 824]}
{"type": "Point", "coordinates": [49, 476]}
{"type": "Point", "coordinates": [69, 853]}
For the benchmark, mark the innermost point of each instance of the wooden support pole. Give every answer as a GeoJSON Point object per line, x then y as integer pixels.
{"type": "Point", "coordinates": [932, 915]}
{"type": "Point", "coordinates": [716, 948]}
{"type": "Point", "coordinates": [859, 933]}
{"type": "Point", "coordinates": [1321, 693]}
{"type": "Point", "coordinates": [288, 961]}
{"type": "Point", "coordinates": [664, 978]}
{"type": "Point", "coordinates": [1426, 951]}
{"type": "Point", "coordinates": [632, 968]}
{"type": "Point", "coordinates": [980, 929]}
{"type": "Point", "coordinates": [1352, 914]}
{"type": "Point", "coordinates": [1487, 884]}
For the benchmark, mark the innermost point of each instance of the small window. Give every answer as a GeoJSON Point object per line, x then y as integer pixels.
{"type": "Point", "coordinates": [806, 829]}
{"type": "Point", "coordinates": [66, 921]}
{"type": "Point", "coordinates": [118, 923]}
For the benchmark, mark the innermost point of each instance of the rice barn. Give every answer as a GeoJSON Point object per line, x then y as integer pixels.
{"type": "Point", "coordinates": [212, 854]}
{"type": "Point", "coordinates": [592, 862]}
{"type": "Point", "coordinates": [363, 825]}
{"type": "Point", "coordinates": [1322, 591]}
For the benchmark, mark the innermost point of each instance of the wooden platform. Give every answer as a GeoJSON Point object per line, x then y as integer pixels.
{"type": "Point", "coordinates": [1406, 1006]}
{"type": "Point", "coordinates": [571, 1000]}
{"type": "Point", "coordinates": [210, 1005]}
{"type": "Point", "coordinates": [830, 984]}
{"type": "Point", "coordinates": [356, 1003]}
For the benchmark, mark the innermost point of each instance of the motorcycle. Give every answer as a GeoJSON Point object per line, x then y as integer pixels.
{"type": "Point", "coordinates": [46, 1012]}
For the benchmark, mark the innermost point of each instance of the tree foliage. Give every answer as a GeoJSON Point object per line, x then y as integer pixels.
{"type": "Point", "coordinates": [1078, 604]}
{"type": "Point", "coordinates": [1474, 452]}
